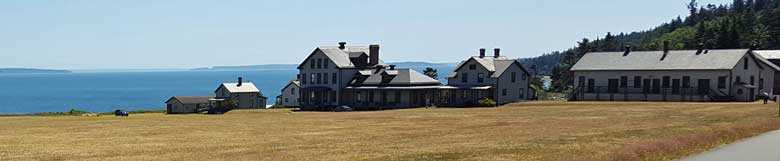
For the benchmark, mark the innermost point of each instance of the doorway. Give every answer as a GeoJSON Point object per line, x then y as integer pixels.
{"type": "Point", "coordinates": [704, 86]}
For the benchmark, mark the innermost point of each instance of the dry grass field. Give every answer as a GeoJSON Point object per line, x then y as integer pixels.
{"type": "Point", "coordinates": [525, 131]}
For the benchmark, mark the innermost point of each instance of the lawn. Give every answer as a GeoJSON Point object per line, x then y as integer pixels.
{"type": "Point", "coordinates": [524, 131]}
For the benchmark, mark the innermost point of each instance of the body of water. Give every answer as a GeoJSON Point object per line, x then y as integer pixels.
{"type": "Point", "coordinates": [106, 91]}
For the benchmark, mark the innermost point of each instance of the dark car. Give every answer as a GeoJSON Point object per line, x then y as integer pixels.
{"type": "Point", "coordinates": [342, 109]}
{"type": "Point", "coordinates": [124, 113]}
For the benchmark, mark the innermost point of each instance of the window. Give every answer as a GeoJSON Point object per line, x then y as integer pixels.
{"type": "Point", "coordinates": [335, 78]}
{"type": "Point", "coordinates": [686, 82]}
{"type": "Point", "coordinates": [623, 81]}
{"type": "Point", "coordinates": [503, 92]}
{"type": "Point", "coordinates": [319, 63]}
{"type": "Point", "coordinates": [666, 82]}
{"type": "Point", "coordinates": [675, 86]}
{"type": "Point", "coordinates": [286, 100]}
{"type": "Point", "coordinates": [522, 93]}
{"type": "Point", "coordinates": [582, 81]}
{"type": "Point", "coordinates": [637, 81]}
{"type": "Point", "coordinates": [473, 67]}
{"type": "Point", "coordinates": [739, 91]}
{"type": "Point", "coordinates": [612, 85]}
{"type": "Point", "coordinates": [722, 82]}
{"type": "Point", "coordinates": [464, 77]}
{"type": "Point", "coordinates": [312, 62]}
{"type": "Point", "coordinates": [745, 65]}
{"type": "Point", "coordinates": [319, 78]}
{"type": "Point", "coordinates": [752, 80]}
{"type": "Point", "coordinates": [738, 80]}
{"type": "Point", "coordinates": [480, 77]}
{"type": "Point", "coordinates": [523, 76]}
{"type": "Point", "coordinates": [656, 86]}
{"type": "Point", "coordinates": [514, 77]}
{"type": "Point", "coordinates": [292, 91]}
{"type": "Point", "coordinates": [591, 85]}
{"type": "Point", "coordinates": [325, 78]}
{"type": "Point", "coordinates": [325, 63]}
{"type": "Point", "coordinates": [303, 79]}
{"type": "Point", "coordinates": [359, 97]}
{"type": "Point", "coordinates": [313, 77]}
{"type": "Point", "coordinates": [760, 83]}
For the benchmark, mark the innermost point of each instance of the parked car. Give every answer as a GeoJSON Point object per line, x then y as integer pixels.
{"type": "Point", "coordinates": [124, 113]}
{"type": "Point", "coordinates": [342, 109]}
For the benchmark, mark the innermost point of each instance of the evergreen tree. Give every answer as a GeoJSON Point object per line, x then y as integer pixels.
{"type": "Point", "coordinates": [430, 72]}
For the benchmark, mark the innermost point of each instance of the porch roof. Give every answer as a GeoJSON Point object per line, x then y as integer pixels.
{"type": "Point", "coordinates": [396, 87]}
{"type": "Point", "coordinates": [468, 87]}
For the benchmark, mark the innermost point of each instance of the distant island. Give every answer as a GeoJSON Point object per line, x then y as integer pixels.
{"type": "Point", "coordinates": [30, 70]}
{"type": "Point", "coordinates": [295, 66]}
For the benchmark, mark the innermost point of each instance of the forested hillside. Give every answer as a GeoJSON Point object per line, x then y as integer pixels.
{"type": "Point", "coordinates": [741, 24]}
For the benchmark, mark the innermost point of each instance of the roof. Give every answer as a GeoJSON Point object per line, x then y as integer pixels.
{"type": "Point", "coordinates": [399, 77]}
{"type": "Point", "coordinates": [246, 87]}
{"type": "Point", "coordinates": [400, 88]}
{"type": "Point", "coordinates": [651, 60]}
{"type": "Point", "coordinates": [496, 66]}
{"type": "Point", "coordinates": [292, 82]}
{"type": "Point", "coordinates": [769, 57]}
{"type": "Point", "coordinates": [468, 87]}
{"type": "Point", "coordinates": [768, 54]}
{"type": "Point", "coordinates": [340, 57]}
{"type": "Point", "coordinates": [191, 99]}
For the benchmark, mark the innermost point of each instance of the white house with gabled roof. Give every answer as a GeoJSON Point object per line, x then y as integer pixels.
{"type": "Point", "coordinates": [496, 77]}
{"type": "Point", "coordinates": [245, 94]}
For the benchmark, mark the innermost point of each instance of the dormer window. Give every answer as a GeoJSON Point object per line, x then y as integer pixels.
{"type": "Point", "coordinates": [473, 67]}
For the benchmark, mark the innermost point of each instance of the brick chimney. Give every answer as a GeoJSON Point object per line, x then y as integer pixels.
{"type": "Point", "coordinates": [481, 52]}
{"type": "Point", "coordinates": [373, 56]}
{"type": "Point", "coordinates": [496, 52]}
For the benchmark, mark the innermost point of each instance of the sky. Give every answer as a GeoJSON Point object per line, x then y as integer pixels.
{"type": "Point", "coordinates": [131, 34]}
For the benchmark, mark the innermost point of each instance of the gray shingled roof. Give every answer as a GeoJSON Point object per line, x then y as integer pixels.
{"type": "Point", "coordinates": [651, 60]}
{"type": "Point", "coordinates": [191, 99]}
{"type": "Point", "coordinates": [769, 57]}
{"type": "Point", "coordinates": [292, 82]}
{"type": "Point", "coordinates": [400, 77]}
{"type": "Point", "coordinates": [768, 54]}
{"type": "Point", "coordinates": [495, 65]}
{"type": "Point", "coordinates": [341, 57]}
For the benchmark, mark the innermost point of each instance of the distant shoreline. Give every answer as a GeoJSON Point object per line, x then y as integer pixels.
{"type": "Point", "coordinates": [31, 71]}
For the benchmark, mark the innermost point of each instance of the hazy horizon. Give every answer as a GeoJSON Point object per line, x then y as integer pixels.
{"type": "Point", "coordinates": [79, 35]}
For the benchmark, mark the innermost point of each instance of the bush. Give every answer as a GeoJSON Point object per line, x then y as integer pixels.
{"type": "Point", "coordinates": [487, 102]}
{"type": "Point", "coordinates": [75, 112]}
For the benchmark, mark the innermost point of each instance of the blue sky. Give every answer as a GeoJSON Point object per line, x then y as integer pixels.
{"type": "Point", "coordinates": [87, 34]}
